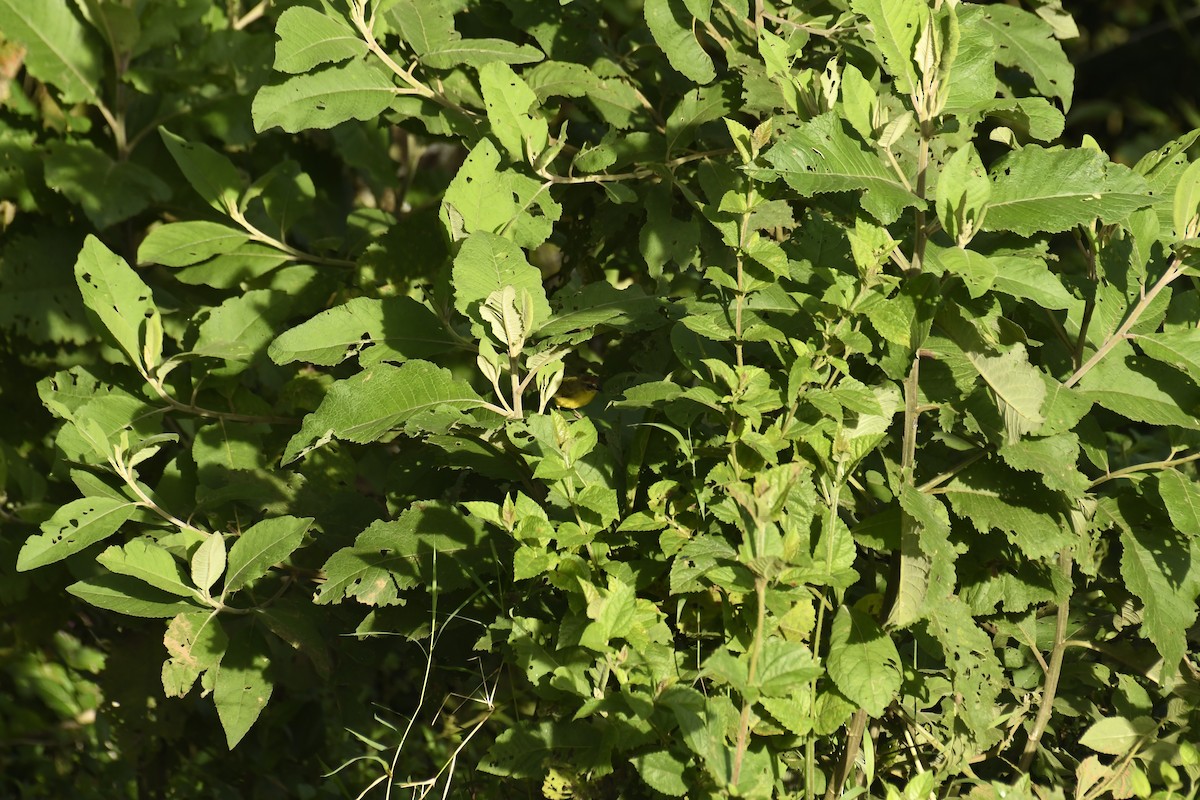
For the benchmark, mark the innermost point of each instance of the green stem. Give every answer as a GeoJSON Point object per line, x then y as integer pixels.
{"type": "Point", "coordinates": [1089, 254]}
{"type": "Point", "coordinates": [1174, 270]}
{"type": "Point", "coordinates": [938, 480]}
{"type": "Point", "coordinates": [148, 502]}
{"type": "Point", "coordinates": [517, 387]}
{"type": "Point", "coordinates": [854, 735]}
{"type": "Point", "coordinates": [1144, 467]}
{"type": "Point", "coordinates": [743, 736]}
{"type": "Point", "coordinates": [230, 416]}
{"type": "Point", "coordinates": [741, 290]}
{"type": "Point", "coordinates": [1050, 685]}
{"type": "Point", "coordinates": [637, 174]}
{"type": "Point", "coordinates": [810, 762]}
{"type": "Point", "coordinates": [265, 238]}
{"type": "Point", "coordinates": [366, 30]}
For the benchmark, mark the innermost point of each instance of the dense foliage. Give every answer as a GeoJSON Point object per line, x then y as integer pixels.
{"type": "Point", "coordinates": [889, 487]}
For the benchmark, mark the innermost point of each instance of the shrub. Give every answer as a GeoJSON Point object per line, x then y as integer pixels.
{"type": "Point", "coordinates": [889, 478]}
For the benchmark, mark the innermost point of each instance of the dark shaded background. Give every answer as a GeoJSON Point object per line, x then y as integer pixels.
{"type": "Point", "coordinates": [1137, 73]}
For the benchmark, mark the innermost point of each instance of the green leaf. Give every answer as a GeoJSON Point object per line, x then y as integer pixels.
{"type": "Point", "coordinates": [611, 609]}
{"type": "Point", "coordinates": [377, 400]}
{"type": "Point", "coordinates": [211, 174]}
{"type": "Point", "coordinates": [308, 38]}
{"type": "Point", "coordinates": [895, 26]}
{"type": "Point", "coordinates": [60, 50]}
{"type": "Point", "coordinates": [424, 24]}
{"type": "Point", "coordinates": [973, 83]}
{"type": "Point", "coordinates": [261, 547]}
{"type": "Point", "coordinates": [1181, 497]}
{"type": "Point", "coordinates": [227, 270]}
{"type": "Point", "coordinates": [180, 244]}
{"type": "Point", "coordinates": [1140, 389]}
{"type": "Point", "coordinates": [560, 79]}
{"type": "Point", "coordinates": [487, 263]}
{"type": "Point", "coordinates": [196, 642]}
{"type": "Point", "coordinates": [128, 596]}
{"type": "Point", "coordinates": [479, 53]}
{"type": "Point", "coordinates": [784, 667]}
{"type": "Point", "coordinates": [1052, 458]}
{"type": "Point", "coordinates": [695, 108]}
{"type": "Point", "coordinates": [100, 423]}
{"type": "Point", "coordinates": [992, 496]}
{"type": "Point", "coordinates": [146, 561]}
{"type": "Point", "coordinates": [863, 661]}
{"type": "Point", "coordinates": [670, 24]}
{"type": "Point", "coordinates": [1116, 736]}
{"type": "Point", "coordinates": [295, 623]}
{"type": "Point", "coordinates": [374, 329]}
{"type": "Point", "coordinates": [118, 24]}
{"type": "Point", "coordinates": [1162, 569]}
{"type": "Point", "coordinates": [1017, 387]}
{"type": "Point", "coordinates": [1030, 279]}
{"type": "Point", "coordinates": [39, 300]}
{"type": "Point", "coordinates": [324, 99]}
{"type": "Point", "coordinates": [208, 562]}
{"type": "Point", "coordinates": [508, 101]}
{"type": "Point", "coordinates": [663, 772]}
{"type": "Point", "coordinates": [424, 544]}
{"type": "Point", "coordinates": [823, 156]}
{"type": "Point", "coordinates": [75, 526]}
{"type": "Point", "coordinates": [1026, 42]}
{"type": "Point", "coordinates": [600, 304]}
{"type": "Point", "coordinates": [483, 197]}
{"type": "Point", "coordinates": [1032, 116]}
{"type": "Point", "coordinates": [1178, 348]}
{"type": "Point", "coordinates": [108, 191]}
{"type": "Point", "coordinates": [243, 685]}
{"type": "Point", "coordinates": [666, 237]}
{"type": "Point", "coordinates": [978, 272]}
{"type": "Point", "coordinates": [242, 326]}
{"type": "Point", "coordinates": [963, 192]}
{"type": "Point", "coordinates": [926, 557]}
{"type": "Point", "coordinates": [1037, 189]}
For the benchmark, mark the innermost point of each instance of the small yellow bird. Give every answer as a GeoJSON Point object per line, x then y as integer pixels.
{"type": "Point", "coordinates": [576, 392]}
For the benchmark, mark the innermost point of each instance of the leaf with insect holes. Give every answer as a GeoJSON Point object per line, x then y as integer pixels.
{"type": "Point", "coordinates": [821, 155]}
{"type": "Point", "coordinates": [377, 400]}
{"type": "Point", "coordinates": [243, 683]}
{"type": "Point", "coordinates": [1036, 189]}
{"type": "Point", "coordinates": [376, 329]}
{"type": "Point", "coordinates": [355, 90]}
{"type": "Point", "coordinates": [196, 642]}
{"type": "Point", "coordinates": [508, 101]}
{"type": "Point", "coordinates": [74, 527]}
{"type": "Point", "coordinates": [118, 296]}
{"type": "Point", "coordinates": [1162, 569]}
{"type": "Point", "coordinates": [393, 556]}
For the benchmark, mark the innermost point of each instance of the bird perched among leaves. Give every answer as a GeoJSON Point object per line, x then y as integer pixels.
{"type": "Point", "coordinates": [576, 392]}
